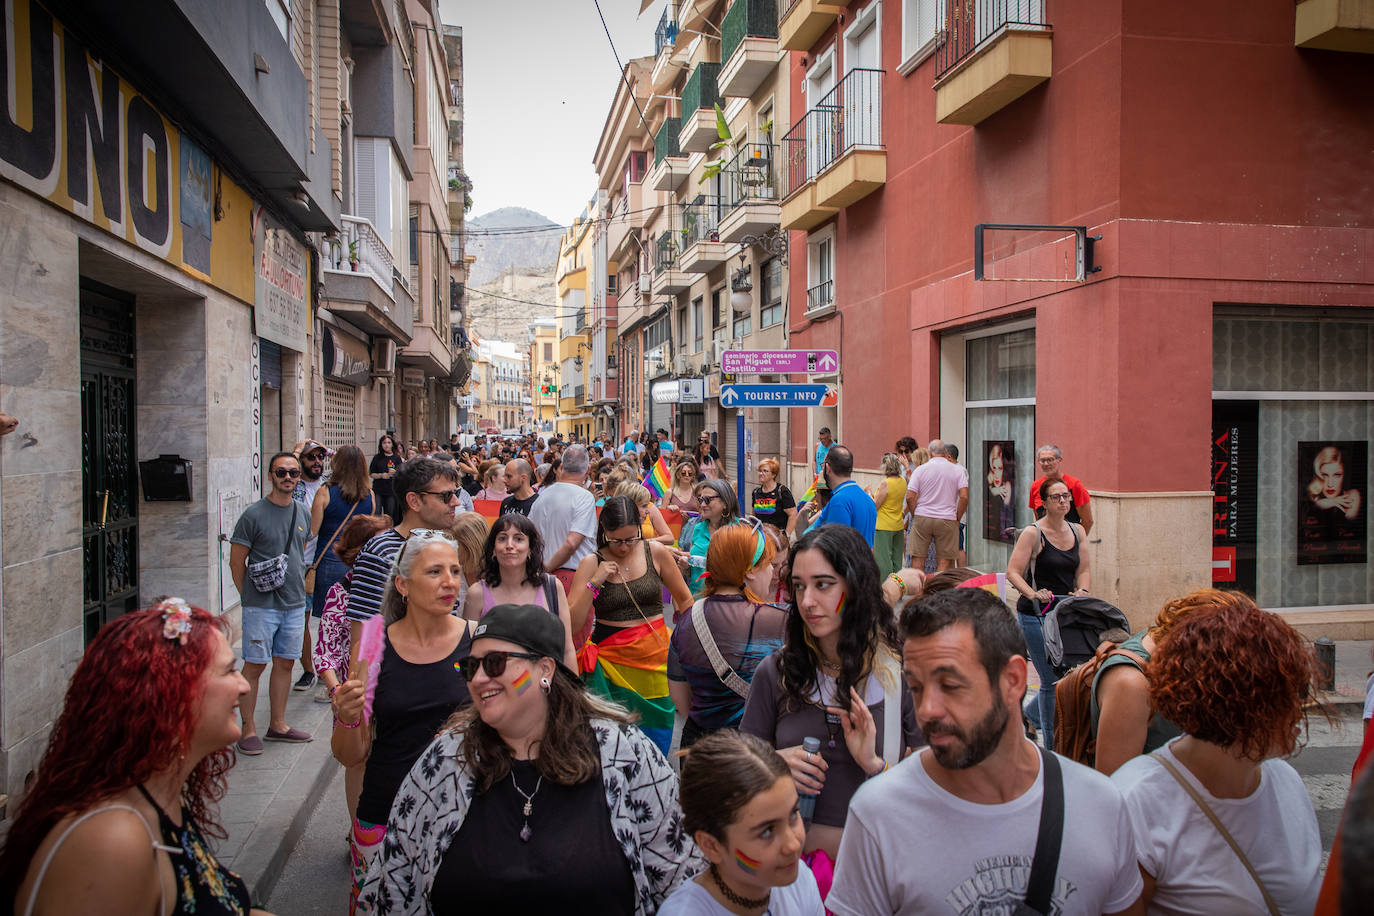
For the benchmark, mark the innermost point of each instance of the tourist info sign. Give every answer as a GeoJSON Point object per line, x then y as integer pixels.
{"type": "Point", "coordinates": [778, 396]}
{"type": "Point", "coordinates": [778, 362]}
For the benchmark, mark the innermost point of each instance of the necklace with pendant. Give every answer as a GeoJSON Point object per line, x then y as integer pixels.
{"type": "Point", "coordinates": [525, 831]}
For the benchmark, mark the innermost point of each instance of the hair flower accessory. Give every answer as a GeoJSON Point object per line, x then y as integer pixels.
{"type": "Point", "coordinates": [176, 618]}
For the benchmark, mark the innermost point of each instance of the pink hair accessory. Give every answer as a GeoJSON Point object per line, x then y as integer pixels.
{"type": "Point", "coordinates": [176, 618]}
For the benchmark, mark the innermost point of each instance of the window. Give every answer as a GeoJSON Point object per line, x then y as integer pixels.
{"type": "Point", "coordinates": [281, 15]}
{"type": "Point", "coordinates": [820, 270]}
{"type": "Point", "coordinates": [770, 293]}
{"type": "Point", "coordinates": [920, 29]}
{"type": "Point", "coordinates": [548, 352]}
{"type": "Point", "coordinates": [717, 296]}
{"type": "Point", "coordinates": [414, 234]}
{"type": "Point", "coordinates": [682, 329]}
{"type": "Point", "coordinates": [698, 316]}
{"type": "Point", "coordinates": [743, 326]}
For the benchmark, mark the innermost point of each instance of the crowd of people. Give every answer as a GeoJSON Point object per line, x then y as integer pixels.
{"type": "Point", "coordinates": [590, 675]}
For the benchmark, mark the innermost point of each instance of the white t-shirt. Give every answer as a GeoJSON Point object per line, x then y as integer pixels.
{"type": "Point", "coordinates": [912, 847]}
{"type": "Point", "coordinates": [937, 484]}
{"type": "Point", "coordinates": [800, 898]}
{"type": "Point", "coordinates": [1195, 870]}
{"type": "Point", "coordinates": [561, 509]}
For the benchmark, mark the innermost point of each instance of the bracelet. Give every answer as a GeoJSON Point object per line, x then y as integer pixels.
{"type": "Point", "coordinates": [898, 579]}
{"type": "Point", "coordinates": [593, 588]}
{"type": "Point", "coordinates": [880, 772]}
{"type": "Point", "coordinates": [338, 721]}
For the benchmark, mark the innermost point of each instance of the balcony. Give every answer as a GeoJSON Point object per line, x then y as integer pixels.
{"type": "Point", "coordinates": [702, 249]}
{"type": "Point", "coordinates": [748, 46]}
{"type": "Point", "coordinates": [670, 165]}
{"type": "Point", "coordinates": [821, 297]}
{"type": "Point", "coordinates": [666, 67]}
{"type": "Point", "coordinates": [995, 51]}
{"type": "Point", "coordinates": [751, 193]}
{"type": "Point", "coordinates": [834, 156]}
{"type": "Point", "coordinates": [361, 285]}
{"type": "Point", "coordinates": [802, 22]}
{"type": "Point", "coordinates": [1335, 25]}
{"type": "Point", "coordinates": [669, 278]}
{"type": "Point", "coordinates": [697, 127]}
{"type": "Point", "coordinates": [666, 33]}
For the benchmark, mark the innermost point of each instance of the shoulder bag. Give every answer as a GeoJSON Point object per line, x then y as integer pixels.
{"type": "Point", "coordinates": [727, 675]}
{"type": "Point", "coordinates": [1048, 840]}
{"type": "Point", "coordinates": [1221, 829]}
{"type": "Point", "coordinates": [319, 554]}
{"type": "Point", "coordinates": [270, 575]}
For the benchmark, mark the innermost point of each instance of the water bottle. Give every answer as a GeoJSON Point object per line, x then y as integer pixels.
{"type": "Point", "coordinates": [806, 804]}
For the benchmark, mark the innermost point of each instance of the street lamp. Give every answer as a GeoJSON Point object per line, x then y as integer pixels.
{"type": "Point", "coordinates": [741, 287]}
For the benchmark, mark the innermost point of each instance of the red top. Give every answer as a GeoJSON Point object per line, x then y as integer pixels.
{"type": "Point", "coordinates": [1076, 490]}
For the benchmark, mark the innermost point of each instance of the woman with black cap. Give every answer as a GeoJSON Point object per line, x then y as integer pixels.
{"type": "Point", "coordinates": [538, 794]}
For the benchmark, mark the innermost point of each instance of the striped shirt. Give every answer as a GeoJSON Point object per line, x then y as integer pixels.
{"type": "Point", "coordinates": [371, 570]}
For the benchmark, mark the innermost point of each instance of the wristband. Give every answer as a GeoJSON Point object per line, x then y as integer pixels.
{"type": "Point", "coordinates": [338, 721]}
{"type": "Point", "coordinates": [333, 690]}
{"type": "Point", "coordinates": [898, 579]}
{"type": "Point", "coordinates": [593, 588]}
{"type": "Point", "coordinates": [880, 772]}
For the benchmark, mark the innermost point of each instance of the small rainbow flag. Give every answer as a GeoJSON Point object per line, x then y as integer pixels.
{"type": "Point", "coordinates": [995, 583]}
{"type": "Point", "coordinates": [810, 493]}
{"type": "Point", "coordinates": [658, 480]}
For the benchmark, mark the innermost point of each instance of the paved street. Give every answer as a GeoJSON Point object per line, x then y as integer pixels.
{"type": "Point", "coordinates": [315, 880]}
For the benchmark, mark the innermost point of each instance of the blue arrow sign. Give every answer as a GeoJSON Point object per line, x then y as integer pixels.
{"type": "Point", "coordinates": [777, 395]}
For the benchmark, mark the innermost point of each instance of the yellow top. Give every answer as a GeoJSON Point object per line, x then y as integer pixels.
{"type": "Point", "coordinates": [890, 512]}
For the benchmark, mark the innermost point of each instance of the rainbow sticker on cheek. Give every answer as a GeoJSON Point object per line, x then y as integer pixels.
{"type": "Point", "coordinates": [750, 866]}
{"type": "Point", "coordinates": [839, 608]}
{"type": "Point", "coordinates": [522, 683]}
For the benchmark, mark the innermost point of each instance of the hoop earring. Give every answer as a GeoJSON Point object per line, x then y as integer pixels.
{"type": "Point", "coordinates": [544, 684]}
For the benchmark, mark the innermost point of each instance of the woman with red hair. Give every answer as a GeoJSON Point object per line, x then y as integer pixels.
{"type": "Point", "coordinates": [1221, 824]}
{"type": "Point", "coordinates": [135, 768]}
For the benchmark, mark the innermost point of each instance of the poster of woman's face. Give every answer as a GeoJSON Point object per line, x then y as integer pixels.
{"type": "Point", "coordinates": [999, 502]}
{"type": "Point", "coordinates": [1332, 526]}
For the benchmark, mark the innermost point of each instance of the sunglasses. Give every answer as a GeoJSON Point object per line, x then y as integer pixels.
{"type": "Point", "coordinates": [283, 473]}
{"type": "Point", "coordinates": [445, 496]}
{"type": "Point", "coordinates": [493, 663]}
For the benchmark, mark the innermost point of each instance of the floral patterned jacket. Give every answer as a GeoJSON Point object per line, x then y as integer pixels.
{"type": "Point", "coordinates": [641, 792]}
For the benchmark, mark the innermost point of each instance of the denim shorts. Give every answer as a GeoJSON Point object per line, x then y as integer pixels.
{"type": "Point", "coordinates": [269, 633]}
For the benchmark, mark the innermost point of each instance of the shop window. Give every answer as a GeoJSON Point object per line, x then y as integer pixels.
{"type": "Point", "coordinates": [1292, 420]}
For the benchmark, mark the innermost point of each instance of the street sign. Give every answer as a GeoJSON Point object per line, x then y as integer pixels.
{"type": "Point", "coordinates": [778, 362]}
{"type": "Point", "coordinates": [778, 396]}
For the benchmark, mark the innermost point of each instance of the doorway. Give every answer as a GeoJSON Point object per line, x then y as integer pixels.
{"type": "Point", "coordinates": [109, 490]}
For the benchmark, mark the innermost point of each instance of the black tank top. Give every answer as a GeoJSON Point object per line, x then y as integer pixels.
{"type": "Point", "coordinates": [410, 705]}
{"type": "Point", "coordinates": [204, 887]}
{"type": "Point", "coordinates": [1055, 569]}
{"type": "Point", "coordinates": [631, 602]}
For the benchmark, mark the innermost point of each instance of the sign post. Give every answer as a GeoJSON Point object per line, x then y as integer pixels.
{"type": "Point", "coordinates": [739, 454]}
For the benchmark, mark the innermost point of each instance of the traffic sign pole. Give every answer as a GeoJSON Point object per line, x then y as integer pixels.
{"type": "Point", "coordinates": [739, 455]}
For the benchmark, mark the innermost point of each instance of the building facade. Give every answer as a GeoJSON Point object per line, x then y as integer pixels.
{"type": "Point", "coordinates": [1198, 349]}
{"type": "Point", "coordinates": [574, 277]}
{"type": "Point", "coordinates": [542, 391]}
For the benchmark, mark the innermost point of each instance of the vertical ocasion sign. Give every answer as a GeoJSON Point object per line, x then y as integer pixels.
{"type": "Point", "coordinates": [1235, 493]}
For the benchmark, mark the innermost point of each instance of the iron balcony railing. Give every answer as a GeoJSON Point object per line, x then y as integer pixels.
{"type": "Point", "coordinates": [666, 250]}
{"type": "Point", "coordinates": [847, 117]}
{"type": "Point", "coordinates": [700, 90]}
{"type": "Point", "coordinates": [785, 7]}
{"type": "Point", "coordinates": [666, 33]}
{"type": "Point", "coordinates": [820, 295]}
{"type": "Point", "coordinates": [747, 18]}
{"type": "Point", "coordinates": [970, 23]}
{"type": "Point", "coordinates": [665, 141]}
{"type": "Point", "coordinates": [750, 176]}
{"type": "Point", "coordinates": [579, 322]}
{"type": "Point", "coordinates": [698, 221]}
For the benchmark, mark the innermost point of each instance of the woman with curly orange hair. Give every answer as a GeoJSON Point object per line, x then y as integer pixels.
{"type": "Point", "coordinates": [1221, 824]}
{"type": "Point", "coordinates": [1123, 722]}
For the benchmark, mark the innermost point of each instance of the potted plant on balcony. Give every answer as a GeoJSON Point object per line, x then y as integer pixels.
{"type": "Point", "coordinates": [353, 255]}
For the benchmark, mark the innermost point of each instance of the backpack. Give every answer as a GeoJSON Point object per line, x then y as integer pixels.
{"type": "Point", "coordinates": [1073, 726]}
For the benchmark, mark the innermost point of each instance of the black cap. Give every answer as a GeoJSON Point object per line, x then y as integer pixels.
{"type": "Point", "coordinates": [527, 625]}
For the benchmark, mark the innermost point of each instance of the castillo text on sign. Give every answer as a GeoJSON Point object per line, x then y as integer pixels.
{"type": "Point", "coordinates": [778, 396]}
{"type": "Point", "coordinates": [778, 362]}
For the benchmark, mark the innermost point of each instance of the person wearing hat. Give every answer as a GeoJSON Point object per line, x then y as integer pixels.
{"type": "Point", "coordinates": [537, 794]}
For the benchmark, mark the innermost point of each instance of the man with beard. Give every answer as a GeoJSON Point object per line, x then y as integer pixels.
{"type": "Point", "coordinates": [954, 827]}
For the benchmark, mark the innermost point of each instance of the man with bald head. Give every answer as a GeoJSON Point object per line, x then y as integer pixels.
{"type": "Point", "coordinates": [518, 475]}
{"type": "Point", "coordinates": [936, 497]}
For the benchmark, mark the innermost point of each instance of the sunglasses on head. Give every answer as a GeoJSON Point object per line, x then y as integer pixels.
{"type": "Point", "coordinates": [493, 663]}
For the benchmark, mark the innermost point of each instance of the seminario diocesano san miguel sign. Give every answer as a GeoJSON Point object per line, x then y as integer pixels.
{"type": "Point", "coordinates": [75, 133]}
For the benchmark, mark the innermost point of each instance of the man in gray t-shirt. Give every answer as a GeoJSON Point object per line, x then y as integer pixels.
{"type": "Point", "coordinates": [273, 619]}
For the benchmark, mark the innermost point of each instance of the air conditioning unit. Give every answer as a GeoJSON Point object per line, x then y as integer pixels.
{"type": "Point", "coordinates": [680, 366]}
{"type": "Point", "coordinates": [384, 357]}
{"type": "Point", "coordinates": [718, 350]}
{"type": "Point", "coordinates": [646, 283]}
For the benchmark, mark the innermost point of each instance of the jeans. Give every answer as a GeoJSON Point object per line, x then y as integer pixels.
{"type": "Point", "coordinates": [1033, 628]}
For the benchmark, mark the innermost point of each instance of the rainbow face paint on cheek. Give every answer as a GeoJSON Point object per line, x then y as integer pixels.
{"type": "Point", "coordinates": [839, 608]}
{"type": "Point", "coordinates": [521, 684]}
{"type": "Point", "coordinates": [750, 866]}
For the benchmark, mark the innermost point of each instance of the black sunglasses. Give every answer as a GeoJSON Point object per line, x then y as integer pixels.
{"type": "Point", "coordinates": [284, 473]}
{"type": "Point", "coordinates": [493, 663]}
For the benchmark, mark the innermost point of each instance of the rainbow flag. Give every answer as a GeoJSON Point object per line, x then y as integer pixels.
{"type": "Point", "coordinates": [995, 583]}
{"type": "Point", "coordinates": [810, 493]}
{"type": "Point", "coordinates": [658, 480]}
{"type": "Point", "coordinates": [489, 509]}
{"type": "Point", "coordinates": [630, 667]}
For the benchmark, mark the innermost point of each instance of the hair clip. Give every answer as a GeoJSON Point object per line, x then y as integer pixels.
{"type": "Point", "coordinates": [176, 618]}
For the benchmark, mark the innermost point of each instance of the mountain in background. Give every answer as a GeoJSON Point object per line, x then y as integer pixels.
{"type": "Point", "coordinates": [518, 239]}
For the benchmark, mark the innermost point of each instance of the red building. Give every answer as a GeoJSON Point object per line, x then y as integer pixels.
{"type": "Point", "coordinates": [1223, 154]}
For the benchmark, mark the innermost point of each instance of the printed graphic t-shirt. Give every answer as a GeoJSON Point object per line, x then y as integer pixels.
{"type": "Point", "coordinates": [979, 859]}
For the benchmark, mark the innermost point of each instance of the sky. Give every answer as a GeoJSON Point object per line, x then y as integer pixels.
{"type": "Point", "coordinates": [538, 81]}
